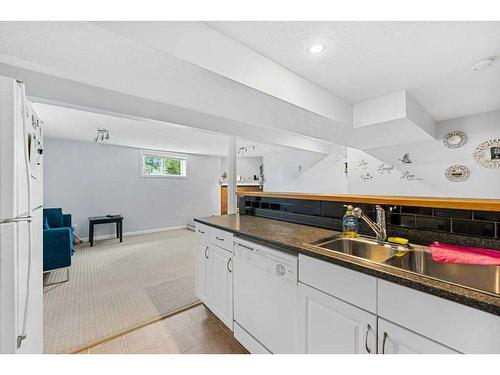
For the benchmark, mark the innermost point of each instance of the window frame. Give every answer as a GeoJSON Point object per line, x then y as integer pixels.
{"type": "Point", "coordinates": [166, 155]}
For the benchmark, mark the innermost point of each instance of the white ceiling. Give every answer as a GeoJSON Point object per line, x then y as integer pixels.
{"type": "Point", "coordinates": [255, 80]}
{"type": "Point", "coordinates": [77, 125]}
{"type": "Point", "coordinates": [107, 71]}
{"type": "Point", "coordinates": [365, 60]}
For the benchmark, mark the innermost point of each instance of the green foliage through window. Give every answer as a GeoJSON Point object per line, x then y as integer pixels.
{"type": "Point", "coordinates": [152, 165]}
{"type": "Point", "coordinates": [160, 165]}
{"type": "Point", "coordinates": [173, 166]}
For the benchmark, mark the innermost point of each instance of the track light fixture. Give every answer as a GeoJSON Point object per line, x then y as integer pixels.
{"type": "Point", "coordinates": [102, 134]}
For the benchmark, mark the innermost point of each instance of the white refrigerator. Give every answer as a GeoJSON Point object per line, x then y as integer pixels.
{"type": "Point", "coordinates": [21, 194]}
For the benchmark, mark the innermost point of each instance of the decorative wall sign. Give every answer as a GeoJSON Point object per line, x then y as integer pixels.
{"type": "Point", "coordinates": [455, 139]}
{"type": "Point", "coordinates": [384, 169]}
{"type": "Point", "coordinates": [406, 159]}
{"type": "Point", "coordinates": [457, 173]}
{"type": "Point", "coordinates": [366, 177]}
{"type": "Point", "coordinates": [487, 154]}
{"type": "Point", "coordinates": [408, 176]}
{"type": "Point", "coordinates": [362, 164]}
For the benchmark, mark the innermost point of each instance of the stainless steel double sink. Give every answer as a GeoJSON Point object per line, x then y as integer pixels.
{"type": "Point", "coordinates": [418, 260]}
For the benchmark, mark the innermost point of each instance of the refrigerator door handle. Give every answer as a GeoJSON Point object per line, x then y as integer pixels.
{"type": "Point", "coordinates": [16, 219]}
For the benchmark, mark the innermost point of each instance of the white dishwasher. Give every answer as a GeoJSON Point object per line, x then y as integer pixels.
{"type": "Point", "coordinates": [265, 297]}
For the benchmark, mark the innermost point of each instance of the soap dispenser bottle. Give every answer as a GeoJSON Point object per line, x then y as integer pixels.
{"type": "Point", "coordinates": [350, 223]}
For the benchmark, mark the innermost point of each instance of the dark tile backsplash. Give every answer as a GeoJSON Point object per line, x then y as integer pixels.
{"type": "Point", "coordinates": [445, 212]}
{"type": "Point", "coordinates": [420, 225]}
{"type": "Point", "coordinates": [363, 206]}
{"type": "Point", "coordinates": [474, 228]}
{"type": "Point", "coordinates": [433, 223]}
{"type": "Point", "coordinates": [332, 209]}
{"type": "Point", "coordinates": [487, 216]}
{"type": "Point", "coordinates": [275, 206]}
{"type": "Point", "coordinates": [402, 220]}
{"type": "Point", "coordinates": [416, 210]}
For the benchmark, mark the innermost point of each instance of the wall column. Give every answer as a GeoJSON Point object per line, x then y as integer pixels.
{"type": "Point", "coordinates": [231, 176]}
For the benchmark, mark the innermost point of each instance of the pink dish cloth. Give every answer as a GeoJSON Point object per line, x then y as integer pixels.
{"type": "Point", "coordinates": [445, 253]}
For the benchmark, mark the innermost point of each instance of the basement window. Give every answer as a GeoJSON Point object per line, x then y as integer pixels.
{"type": "Point", "coordinates": [160, 164]}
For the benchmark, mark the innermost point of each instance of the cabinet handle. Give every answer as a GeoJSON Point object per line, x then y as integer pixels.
{"type": "Point", "coordinates": [220, 239]}
{"type": "Point", "coordinates": [206, 249]}
{"type": "Point", "coordinates": [202, 232]}
{"type": "Point", "coordinates": [230, 260]}
{"type": "Point", "coordinates": [368, 327]}
{"type": "Point", "coordinates": [383, 342]}
{"type": "Point", "coordinates": [246, 247]}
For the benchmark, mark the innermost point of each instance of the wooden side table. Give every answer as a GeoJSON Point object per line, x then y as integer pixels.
{"type": "Point", "coordinates": [118, 219]}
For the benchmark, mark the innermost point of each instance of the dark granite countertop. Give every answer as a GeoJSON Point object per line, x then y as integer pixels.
{"type": "Point", "coordinates": [296, 237]}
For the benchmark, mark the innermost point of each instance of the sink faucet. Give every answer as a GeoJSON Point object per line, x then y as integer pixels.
{"type": "Point", "coordinates": [379, 227]}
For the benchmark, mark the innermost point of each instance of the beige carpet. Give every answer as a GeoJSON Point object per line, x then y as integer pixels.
{"type": "Point", "coordinates": [114, 286]}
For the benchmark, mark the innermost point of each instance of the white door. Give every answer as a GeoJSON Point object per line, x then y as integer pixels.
{"type": "Point", "coordinates": [394, 339]}
{"type": "Point", "coordinates": [221, 275]}
{"type": "Point", "coordinates": [328, 325]}
{"type": "Point", "coordinates": [202, 273]}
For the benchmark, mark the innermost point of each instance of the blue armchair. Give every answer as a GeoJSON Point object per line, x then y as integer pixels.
{"type": "Point", "coordinates": [57, 240]}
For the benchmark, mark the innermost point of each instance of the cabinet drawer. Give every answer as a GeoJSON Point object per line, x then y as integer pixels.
{"type": "Point", "coordinates": [457, 326]}
{"type": "Point", "coordinates": [394, 339]}
{"type": "Point", "coordinates": [221, 238]}
{"type": "Point", "coordinates": [203, 233]}
{"type": "Point", "coordinates": [350, 286]}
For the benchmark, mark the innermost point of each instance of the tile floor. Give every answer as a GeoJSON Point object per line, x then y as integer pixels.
{"type": "Point", "coordinates": [193, 331]}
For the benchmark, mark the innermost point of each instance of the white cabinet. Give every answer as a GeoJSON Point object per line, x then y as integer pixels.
{"type": "Point", "coordinates": [213, 273]}
{"type": "Point", "coordinates": [330, 326]}
{"type": "Point", "coordinates": [222, 239]}
{"type": "Point", "coordinates": [221, 284]}
{"type": "Point", "coordinates": [348, 285]}
{"type": "Point", "coordinates": [338, 310]}
{"type": "Point", "coordinates": [202, 273]}
{"type": "Point", "coordinates": [394, 339]}
{"type": "Point", "coordinates": [202, 266]}
{"type": "Point", "coordinates": [457, 326]}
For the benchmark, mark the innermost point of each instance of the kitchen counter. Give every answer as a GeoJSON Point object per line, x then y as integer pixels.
{"type": "Point", "coordinates": [296, 237]}
{"type": "Point", "coordinates": [242, 183]}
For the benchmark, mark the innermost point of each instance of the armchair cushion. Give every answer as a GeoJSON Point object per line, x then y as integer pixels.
{"type": "Point", "coordinates": [46, 223]}
{"type": "Point", "coordinates": [67, 220]}
{"type": "Point", "coordinates": [54, 217]}
{"type": "Point", "coordinates": [57, 248]}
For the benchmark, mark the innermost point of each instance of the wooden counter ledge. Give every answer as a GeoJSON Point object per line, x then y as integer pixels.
{"type": "Point", "coordinates": [436, 202]}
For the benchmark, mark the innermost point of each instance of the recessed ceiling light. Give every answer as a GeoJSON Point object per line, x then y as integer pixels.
{"type": "Point", "coordinates": [316, 48]}
{"type": "Point", "coordinates": [484, 63]}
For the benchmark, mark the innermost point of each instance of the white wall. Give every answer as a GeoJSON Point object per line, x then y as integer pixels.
{"type": "Point", "coordinates": [246, 166]}
{"type": "Point", "coordinates": [318, 173]}
{"type": "Point", "coordinates": [88, 179]}
{"type": "Point", "coordinates": [430, 160]}
{"type": "Point", "coordinates": [429, 163]}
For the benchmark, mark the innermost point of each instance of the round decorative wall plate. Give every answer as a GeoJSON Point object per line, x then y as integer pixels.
{"type": "Point", "coordinates": [487, 154]}
{"type": "Point", "coordinates": [457, 173]}
{"type": "Point", "coordinates": [455, 139]}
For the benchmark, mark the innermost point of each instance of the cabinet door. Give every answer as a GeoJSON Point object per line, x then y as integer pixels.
{"type": "Point", "coordinates": [202, 273]}
{"type": "Point", "coordinates": [221, 284]}
{"type": "Point", "coordinates": [394, 339]}
{"type": "Point", "coordinates": [328, 325]}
